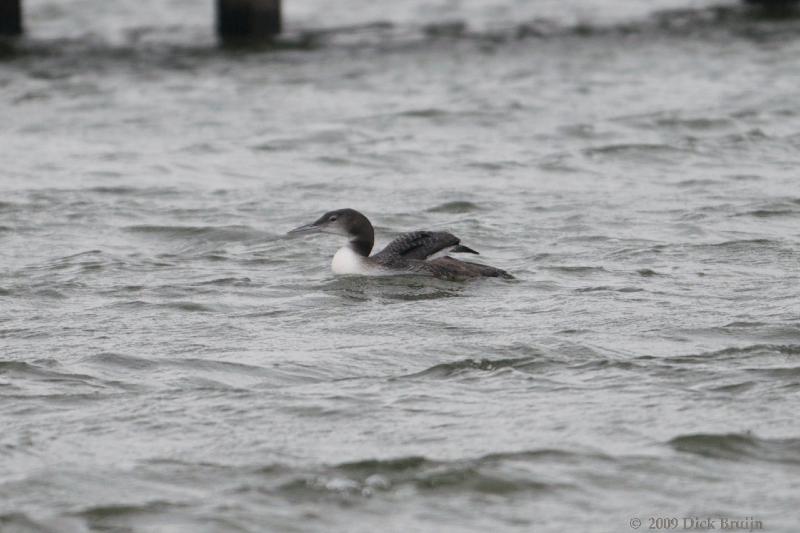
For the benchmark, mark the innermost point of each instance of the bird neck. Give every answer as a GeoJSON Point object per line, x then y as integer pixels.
{"type": "Point", "coordinates": [362, 245]}
{"type": "Point", "coordinates": [363, 238]}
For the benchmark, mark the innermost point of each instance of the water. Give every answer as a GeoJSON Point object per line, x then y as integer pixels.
{"type": "Point", "coordinates": [171, 362]}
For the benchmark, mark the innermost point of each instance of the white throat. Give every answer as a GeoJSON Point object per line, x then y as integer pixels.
{"type": "Point", "coordinates": [347, 261]}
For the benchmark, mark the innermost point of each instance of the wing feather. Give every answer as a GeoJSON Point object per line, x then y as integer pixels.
{"type": "Point", "coordinates": [419, 244]}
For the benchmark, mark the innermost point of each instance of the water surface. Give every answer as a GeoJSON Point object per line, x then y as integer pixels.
{"type": "Point", "coordinates": [172, 362]}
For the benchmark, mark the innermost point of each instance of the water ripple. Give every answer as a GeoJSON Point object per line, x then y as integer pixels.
{"type": "Point", "coordinates": [737, 447]}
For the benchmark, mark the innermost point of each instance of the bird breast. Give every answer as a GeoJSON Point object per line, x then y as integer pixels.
{"type": "Point", "coordinates": [347, 261]}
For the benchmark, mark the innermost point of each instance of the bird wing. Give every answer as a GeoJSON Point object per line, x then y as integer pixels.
{"type": "Point", "coordinates": [447, 267]}
{"type": "Point", "coordinates": [419, 244]}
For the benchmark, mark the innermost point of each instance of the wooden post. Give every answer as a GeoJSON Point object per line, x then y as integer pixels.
{"type": "Point", "coordinates": [247, 20]}
{"type": "Point", "coordinates": [10, 17]}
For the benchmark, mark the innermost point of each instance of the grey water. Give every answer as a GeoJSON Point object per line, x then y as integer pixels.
{"type": "Point", "coordinates": [171, 362]}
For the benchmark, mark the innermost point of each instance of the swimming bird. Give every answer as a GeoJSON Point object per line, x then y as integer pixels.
{"type": "Point", "coordinates": [417, 252]}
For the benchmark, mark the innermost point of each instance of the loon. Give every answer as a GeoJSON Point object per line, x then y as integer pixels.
{"type": "Point", "coordinates": [419, 252]}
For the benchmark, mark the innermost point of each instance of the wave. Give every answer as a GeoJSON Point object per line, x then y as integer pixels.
{"type": "Point", "coordinates": [198, 371]}
{"type": "Point", "coordinates": [101, 512]}
{"type": "Point", "coordinates": [126, 190]}
{"type": "Point", "coordinates": [489, 474]}
{"type": "Point", "coordinates": [470, 366]}
{"type": "Point", "coordinates": [186, 306]}
{"type": "Point", "coordinates": [75, 266]}
{"type": "Point", "coordinates": [206, 233]}
{"type": "Point", "coordinates": [128, 362]}
{"type": "Point", "coordinates": [737, 446]}
{"type": "Point", "coordinates": [29, 380]}
{"type": "Point", "coordinates": [783, 349]}
{"type": "Point", "coordinates": [742, 243]}
{"type": "Point", "coordinates": [606, 288]}
{"type": "Point", "coordinates": [651, 152]}
{"type": "Point", "coordinates": [230, 281]}
{"type": "Point", "coordinates": [577, 269]}
{"type": "Point", "coordinates": [748, 251]}
{"type": "Point", "coordinates": [734, 352]}
{"type": "Point", "coordinates": [21, 369]}
{"type": "Point", "coordinates": [455, 207]}
{"type": "Point", "coordinates": [784, 208]}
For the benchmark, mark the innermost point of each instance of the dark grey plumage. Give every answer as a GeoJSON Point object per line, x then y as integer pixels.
{"type": "Point", "coordinates": [418, 245]}
{"type": "Point", "coordinates": [410, 252]}
{"type": "Point", "coordinates": [450, 268]}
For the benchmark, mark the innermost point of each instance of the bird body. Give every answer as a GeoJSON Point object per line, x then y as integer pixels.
{"type": "Point", "coordinates": [418, 252]}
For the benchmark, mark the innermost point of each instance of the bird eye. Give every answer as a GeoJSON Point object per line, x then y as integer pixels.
{"type": "Point", "coordinates": [333, 218]}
